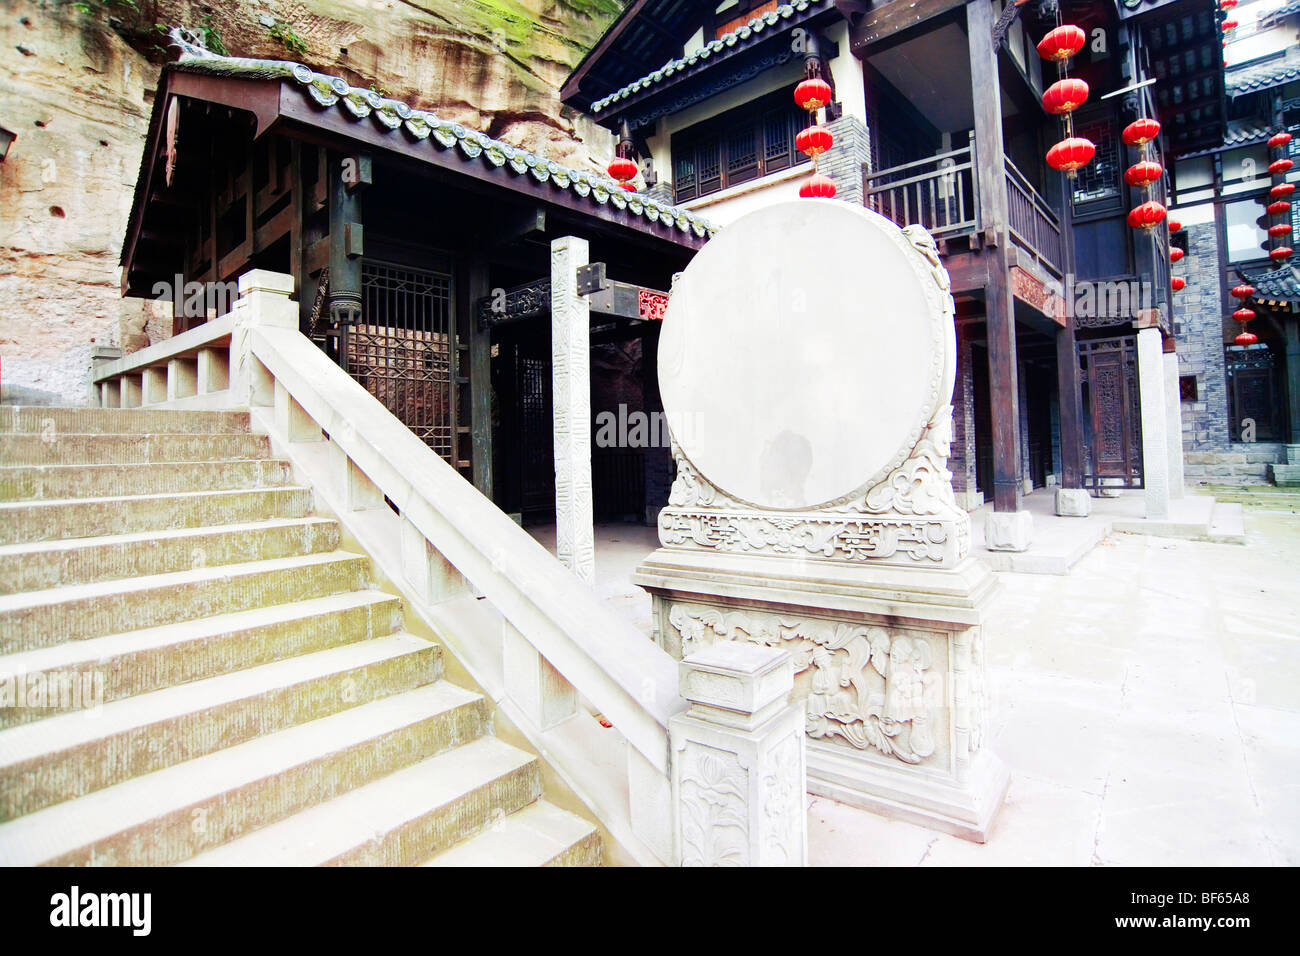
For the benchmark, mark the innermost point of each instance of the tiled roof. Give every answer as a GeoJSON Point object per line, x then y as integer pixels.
{"type": "Point", "coordinates": [358, 104]}
{"type": "Point", "coordinates": [769, 23]}
{"type": "Point", "coordinates": [1252, 77]}
{"type": "Point", "coordinates": [1278, 285]}
{"type": "Point", "coordinates": [1286, 10]}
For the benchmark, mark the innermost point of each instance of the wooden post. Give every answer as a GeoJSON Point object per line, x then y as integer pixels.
{"type": "Point", "coordinates": [1067, 359]}
{"type": "Point", "coordinates": [999, 304]}
{"type": "Point", "coordinates": [480, 378]}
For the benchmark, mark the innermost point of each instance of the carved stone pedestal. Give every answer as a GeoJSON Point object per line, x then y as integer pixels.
{"type": "Point", "coordinates": [1073, 503]}
{"type": "Point", "coordinates": [889, 670]}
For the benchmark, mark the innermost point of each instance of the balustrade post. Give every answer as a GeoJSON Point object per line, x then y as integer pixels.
{"type": "Point", "coordinates": [263, 301]}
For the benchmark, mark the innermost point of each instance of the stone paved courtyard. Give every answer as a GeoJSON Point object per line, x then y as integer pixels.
{"type": "Point", "coordinates": [1117, 758]}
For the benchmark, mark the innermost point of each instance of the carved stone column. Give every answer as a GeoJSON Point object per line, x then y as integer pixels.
{"type": "Point", "coordinates": [571, 397]}
{"type": "Point", "coordinates": [1155, 446]}
{"type": "Point", "coordinates": [738, 760]}
{"type": "Point", "coordinates": [813, 509]}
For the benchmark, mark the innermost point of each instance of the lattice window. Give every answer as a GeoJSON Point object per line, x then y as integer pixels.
{"type": "Point", "coordinates": [1100, 178]}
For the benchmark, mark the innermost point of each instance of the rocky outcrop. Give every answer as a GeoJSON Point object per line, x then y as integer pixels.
{"type": "Point", "coordinates": [77, 88]}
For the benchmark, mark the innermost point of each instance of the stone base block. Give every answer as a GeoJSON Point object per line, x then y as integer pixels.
{"type": "Point", "coordinates": [969, 500]}
{"type": "Point", "coordinates": [1293, 454]}
{"type": "Point", "coordinates": [889, 667]}
{"type": "Point", "coordinates": [1009, 531]}
{"type": "Point", "coordinates": [1073, 503]}
{"type": "Point", "coordinates": [1286, 476]}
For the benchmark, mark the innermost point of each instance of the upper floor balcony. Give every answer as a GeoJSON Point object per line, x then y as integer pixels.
{"type": "Point", "coordinates": [942, 194]}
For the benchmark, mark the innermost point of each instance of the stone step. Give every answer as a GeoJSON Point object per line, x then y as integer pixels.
{"type": "Point", "coordinates": [36, 619]}
{"type": "Point", "coordinates": [91, 449]}
{"type": "Point", "coordinates": [68, 756]}
{"type": "Point", "coordinates": [169, 815]}
{"type": "Point", "coordinates": [49, 564]}
{"type": "Point", "coordinates": [1228, 522]}
{"type": "Point", "coordinates": [34, 482]}
{"type": "Point", "coordinates": [67, 518]}
{"type": "Point", "coordinates": [538, 835]}
{"type": "Point", "coordinates": [53, 420]}
{"type": "Point", "coordinates": [398, 820]}
{"type": "Point", "coordinates": [137, 662]}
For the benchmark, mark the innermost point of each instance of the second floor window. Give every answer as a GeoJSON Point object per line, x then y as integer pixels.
{"type": "Point", "coordinates": [734, 147]}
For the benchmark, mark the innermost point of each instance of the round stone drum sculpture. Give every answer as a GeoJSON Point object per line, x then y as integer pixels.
{"type": "Point", "coordinates": [803, 352]}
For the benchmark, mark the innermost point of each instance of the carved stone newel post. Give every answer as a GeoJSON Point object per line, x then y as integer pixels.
{"type": "Point", "coordinates": [738, 760]}
{"type": "Point", "coordinates": [807, 363]}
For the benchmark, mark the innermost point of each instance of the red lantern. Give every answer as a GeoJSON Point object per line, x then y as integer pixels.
{"type": "Point", "coordinates": [1280, 253]}
{"type": "Point", "coordinates": [817, 186]}
{"type": "Point", "coordinates": [630, 187]}
{"type": "Point", "coordinates": [1243, 315]}
{"type": "Point", "coordinates": [1227, 4]}
{"type": "Point", "coordinates": [1064, 96]}
{"type": "Point", "coordinates": [1246, 338]}
{"type": "Point", "coordinates": [1278, 140]}
{"type": "Point", "coordinates": [1061, 43]}
{"type": "Point", "coordinates": [1176, 254]}
{"type": "Point", "coordinates": [1229, 25]}
{"type": "Point", "coordinates": [1175, 226]}
{"type": "Point", "coordinates": [1280, 229]}
{"type": "Point", "coordinates": [1141, 131]}
{"type": "Point", "coordinates": [1147, 216]}
{"type": "Point", "coordinates": [1071, 154]}
{"type": "Point", "coordinates": [1279, 208]}
{"type": "Point", "coordinates": [1143, 174]}
{"type": "Point", "coordinates": [1282, 190]}
{"type": "Point", "coordinates": [622, 169]}
{"type": "Point", "coordinates": [813, 140]}
{"type": "Point", "coordinates": [812, 94]}
{"type": "Point", "coordinates": [1280, 166]}
{"type": "Point", "coordinates": [1178, 283]}
{"type": "Point", "coordinates": [1243, 291]}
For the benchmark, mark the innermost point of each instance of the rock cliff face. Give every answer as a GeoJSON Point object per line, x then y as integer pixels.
{"type": "Point", "coordinates": [76, 85]}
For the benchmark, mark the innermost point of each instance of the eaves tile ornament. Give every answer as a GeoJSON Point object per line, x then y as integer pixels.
{"type": "Point", "coordinates": [756, 26]}
{"type": "Point", "coordinates": [390, 114]}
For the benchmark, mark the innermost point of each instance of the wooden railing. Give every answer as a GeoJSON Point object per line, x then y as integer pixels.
{"type": "Point", "coordinates": [1032, 223]}
{"type": "Point", "coordinates": [938, 192]}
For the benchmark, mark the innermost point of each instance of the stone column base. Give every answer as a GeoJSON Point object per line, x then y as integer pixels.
{"type": "Point", "coordinates": [969, 500]}
{"type": "Point", "coordinates": [1009, 531]}
{"type": "Point", "coordinates": [1073, 503]}
{"type": "Point", "coordinates": [889, 670]}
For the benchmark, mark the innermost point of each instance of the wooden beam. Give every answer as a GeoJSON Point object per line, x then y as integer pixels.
{"type": "Point", "coordinates": [886, 19]}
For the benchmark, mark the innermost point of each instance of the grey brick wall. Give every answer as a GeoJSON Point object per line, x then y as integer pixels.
{"type": "Point", "coordinates": [962, 460]}
{"type": "Point", "coordinates": [843, 161]}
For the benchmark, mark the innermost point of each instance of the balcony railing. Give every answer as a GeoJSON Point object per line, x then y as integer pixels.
{"type": "Point", "coordinates": [938, 192]}
{"type": "Point", "coordinates": [1032, 223]}
{"type": "Point", "coordinates": [941, 193]}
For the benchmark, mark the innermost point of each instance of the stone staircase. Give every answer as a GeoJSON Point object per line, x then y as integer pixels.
{"type": "Point", "coordinates": [256, 698]}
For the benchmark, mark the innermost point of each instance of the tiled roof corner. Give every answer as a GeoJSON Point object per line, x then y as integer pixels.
{"type": "Point", "coordinates": [329, 91]}
{"type": "Point", "coordinates": [1277, 284]}
{"type": "Point", "coordinates": [767, 22]}
{"type": "Point", "coordinates": [1252, 77]}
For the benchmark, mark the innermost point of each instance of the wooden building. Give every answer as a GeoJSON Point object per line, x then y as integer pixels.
{"type": "Point", "coordinates": [938, 119]}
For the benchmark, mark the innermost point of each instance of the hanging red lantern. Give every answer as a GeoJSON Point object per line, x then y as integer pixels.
{"type": "Point", "coordinates": [1141, 131]}
{"type": "Point", "coordinates": [630, 187]}
{"type": "Point", "coordinates": [1175, 254]}
{"type": "Point", "coordinates": [1227, 4]}
{"type": "Point", "coordinates": [1280, 253]}
{"type": "Point", "coordinates": [817, 186]}
{"type": "Point", "coordinates": [812, 94]}
{"type": "Point", "coordinates": [1280, 166]}
{"type": "Point", "coordinates": [1143, 173]}
{"type": "Point", "coordinates": [1071, 154]}
{"type": "Point", "coordinates": [814, 140]}
{"type": "Point", "coordinates": [1243, 291]}
{"type": "Point", "coordinates": [1243, 315]}
{"type": "Point", "coordinates": [1278, 140]}
{"type": "Point", "coordinates": [1280, 229]}
{"type": "Point", "coordinates": [1178, 283]}
{"type": "Point", "coordinates": [1282, 190]}
{"type": "Point", "coordinates": [1279, 208]}
{"type": "Point", "coordinates": [1065, 96]}
{"type": "Point", "coordinates": [1061, 43]}
{"type": "Point", "coordinates": [1147, 216]}
{"type": "Point", "coordinates": [1246, 338]}
{"type": "Point", "coordinates": [1229, 25]}
{"type": "Point", "coordinates": [622, 169]}
{"type": "Point", "coordinates": [1175, 226]}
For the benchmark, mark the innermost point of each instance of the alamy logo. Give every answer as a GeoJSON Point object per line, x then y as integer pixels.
{"type": "Point", "coordinates": [197, 300]}
{"type": "Point", "coordinates": [1125, 299]}
{"type": "Point", "coordinates": [75, 908]}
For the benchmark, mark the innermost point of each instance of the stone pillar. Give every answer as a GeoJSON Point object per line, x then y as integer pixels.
{"type": "Point", "coordinates": [263, 300]}
{"type": "Point", "coordinates": [536, 687]}
{"type": "Point", "coordinates": [739, 760]}
{"type": "Point", "coordinates": [1155, 446]}
{"type": "Point", "coordinates": [571, 399]}
{"type": "Point", "coordinates": [1174, 424]}
{"type": "Point", "coordinates": [101, 355]}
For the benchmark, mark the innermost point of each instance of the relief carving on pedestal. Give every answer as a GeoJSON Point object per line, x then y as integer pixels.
{"type": "Point", "coordinates": [868, 687]}
{"type": "Point", "coordinates": [714, 820]}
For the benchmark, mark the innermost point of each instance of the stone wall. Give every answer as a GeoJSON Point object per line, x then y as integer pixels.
{"type": "Point", "coordinates": [843, 162]}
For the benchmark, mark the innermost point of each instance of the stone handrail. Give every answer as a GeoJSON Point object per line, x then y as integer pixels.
{"type": "Point", "coordinates": [557, 639]}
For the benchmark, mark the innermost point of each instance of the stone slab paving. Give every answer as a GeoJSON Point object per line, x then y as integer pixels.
{"type": "Point", "coordinates": [1147, 702]}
